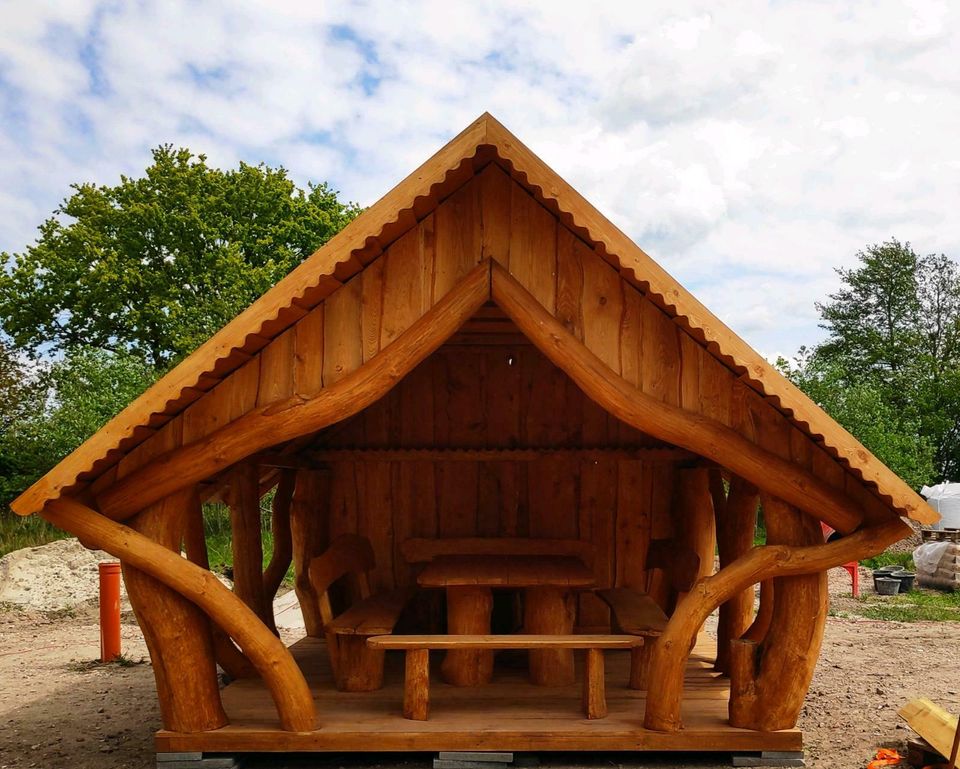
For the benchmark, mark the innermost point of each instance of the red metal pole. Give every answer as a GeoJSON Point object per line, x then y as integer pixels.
{"type": "Point", "coordinates": [109, 611]}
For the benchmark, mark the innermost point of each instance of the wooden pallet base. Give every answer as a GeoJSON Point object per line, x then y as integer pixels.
{"type": "Point", "coordinates": [508, 714]}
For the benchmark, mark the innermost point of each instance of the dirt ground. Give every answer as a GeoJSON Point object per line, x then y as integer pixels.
{"type": "Point", "coordinates": [60, 710]}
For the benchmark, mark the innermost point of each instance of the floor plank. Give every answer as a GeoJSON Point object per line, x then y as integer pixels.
{"type": "Point", "coordinates": [507, 714]}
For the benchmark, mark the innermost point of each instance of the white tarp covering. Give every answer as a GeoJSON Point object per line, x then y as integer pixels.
{"type": "Point", "coordinates": [927, 557]}
{"type": "Point", "coordinates": [945, 499]}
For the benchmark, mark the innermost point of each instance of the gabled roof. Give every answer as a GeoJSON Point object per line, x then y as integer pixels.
{"type": "Point", "coordinates": [483, 141]}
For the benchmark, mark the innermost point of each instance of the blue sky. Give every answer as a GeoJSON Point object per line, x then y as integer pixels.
{"type": "Point", "coordinates": [751, 151]}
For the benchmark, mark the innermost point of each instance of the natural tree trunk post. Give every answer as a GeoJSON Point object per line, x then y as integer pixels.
{"type": "Point", "coordinates": [308, 540]}
{"type": "Point", "coordinates": [243, 497]}
{"type": "Point", "coordinates": [784, 661]}
{"type": "Point", "coordinates": [693, 510]}
{"type": "Point", "coordinates": [266, 652]}
{"type": "Point", "coordinates": [761, 623]}
{"type": "Point", "coordinates": [176, 631]}
{"type": "Point", "coordinates": [761, 563]}
{"type": "Point", "coordinates": [736, 524]}
{"type": "Point", "coordinates": [228, 656]}
{"type": "Point", "coordinates": [282, 542]}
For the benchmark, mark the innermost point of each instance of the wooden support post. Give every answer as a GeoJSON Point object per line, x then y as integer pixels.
{"type": "Point", "coordinates": [176, 631]}
{"type": "Point", "coordinates": [693, 506]}
{"type": "Point", "coordinates": [243, 497]}
{"type": "Point", "coordinates": [761, 623]}
{"type": "Point", "coordinates": [736, 514]}
{"type": "Point", "coordinates": [228, 656]}
{"type": "Point", "coordinates": [672, 648]}
{"type": "Point", "coordinates": [282, 542]}
{"type": "Point", "coordinates": [272, 659]}
{"type": "Point", "coordinates": [308, 538]}
{"type": "Point", "coordinates": [594, 693]}
{"type": "Point", "coordinates": [416, 687]}
{"type": "Point", "coordinates": [783, 662]}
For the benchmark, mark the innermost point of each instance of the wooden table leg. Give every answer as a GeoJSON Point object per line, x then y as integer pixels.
{"type": "Point", "coordinates": [468, 612]}
{"type": "Point", "coordinates": [551, 611]}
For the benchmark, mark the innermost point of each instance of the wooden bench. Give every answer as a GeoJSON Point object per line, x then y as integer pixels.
{"type": "Point", "coordinates": [637, 613]}
{"type": "Point", "coordinates": [356, 666]}
{"type": "Point", "coordinates": [416, 689]}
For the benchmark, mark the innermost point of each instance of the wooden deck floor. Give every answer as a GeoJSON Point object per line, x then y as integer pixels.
{"type": "Point", "coordinates": [508, 714]}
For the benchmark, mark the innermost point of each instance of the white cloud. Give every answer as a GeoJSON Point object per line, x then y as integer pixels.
{"type": "Point", "coordinates": [751, 150]}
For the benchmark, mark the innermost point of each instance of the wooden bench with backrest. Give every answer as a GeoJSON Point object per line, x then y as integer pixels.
{"type": "Point", "coordinates": [416, 688]}
{"type": "Point", "coordinates": [356, 667]}
{"type": "Point", "coordinates": [637, 613]}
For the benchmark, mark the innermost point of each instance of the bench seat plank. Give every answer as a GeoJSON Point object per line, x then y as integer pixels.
{"type": "Point", "coordinates": [515, 641]}
{"type": "Point", "coordinates": [372, 616]}
{"type": "Point", "coordinates": [634, 613]}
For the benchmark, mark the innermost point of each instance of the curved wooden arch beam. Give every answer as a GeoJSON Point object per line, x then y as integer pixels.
{"type": "Point", "coordinates": [761, 563]}
{"type": "Point", "coordinates": [269, 425]}
{"type": "Point", "coordinates": [271, 658]}
{"type": "Point", "coordinates": [705, 436]}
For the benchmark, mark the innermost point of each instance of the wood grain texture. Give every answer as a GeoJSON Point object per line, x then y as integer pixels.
{"type": "Point", "coordinates": [667, 422]}
{"type": "Point", "coordinates": [518, 716]}
{"type": "Point", "coordinates": [177, 633]}
{"type": "Point", "coordinates": [769, 679]}
{"type": "Point", "coordinates": [243, 499]}
{"type": "Point", "coordinates": [264, 650]}
{"type": "Point", "coordinates": [264, 427]}
{"type": "Point", "coordinates": [760, 563]}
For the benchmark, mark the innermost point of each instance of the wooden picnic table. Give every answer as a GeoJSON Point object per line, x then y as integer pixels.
{"type": "Point", "coordinates": [549, 608]}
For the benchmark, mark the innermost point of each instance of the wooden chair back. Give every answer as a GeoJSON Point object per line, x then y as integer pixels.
{"type": "Point", "coordinates": [679, 563]}
{"type": "Point", "coordinates": [348, 554]}
{"type": "Point", "coordinates": [425, 550]}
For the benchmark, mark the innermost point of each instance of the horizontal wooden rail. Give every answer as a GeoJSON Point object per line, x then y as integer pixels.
{"type": "Point", "coordinates": [642, 453]}
{"type": "Point", "coordinates": [695, 432]}
{"type": "Point", "coordinates": [264, 650]}
{"type": "Point", "coordinates": [273, 424]}
{"type": "Point", "coordinates": [762, 563]}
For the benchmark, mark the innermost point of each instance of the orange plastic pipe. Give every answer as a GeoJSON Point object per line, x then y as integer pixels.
{"type": "Point", "coordinates": [109, 611]}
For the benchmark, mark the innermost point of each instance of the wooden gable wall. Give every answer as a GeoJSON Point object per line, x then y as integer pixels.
{"type": "Point", "coordinates": [491, 216]}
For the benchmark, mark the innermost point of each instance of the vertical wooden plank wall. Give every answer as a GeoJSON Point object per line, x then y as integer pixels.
{"type": "Point", "coordinates": [496, 396]}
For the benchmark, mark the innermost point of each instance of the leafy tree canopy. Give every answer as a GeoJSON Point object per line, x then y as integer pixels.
{"type": "Point", "coordinates": [155, 265]}
{"type": "Point", "coordinates": [889, 370]}
{"type": "Point", "coordinates": [895, 437]}
{"type": "Point", "coordinates": [61, 404]}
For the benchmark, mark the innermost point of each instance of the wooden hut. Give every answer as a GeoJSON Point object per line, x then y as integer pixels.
{"type": "Point", "coordinates": [512, 430]}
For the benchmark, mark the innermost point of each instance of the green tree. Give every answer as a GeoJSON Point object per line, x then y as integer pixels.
{"type": "Point", "coordinates": [894, 436]}
{"type": "Point", "coordinates": [62, 403]}
{"type": "Point", "coordinates": [156, 264]}
{"type": "Point", "coordinates": [892, 357]}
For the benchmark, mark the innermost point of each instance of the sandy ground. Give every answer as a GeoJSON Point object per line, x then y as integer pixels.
{"type": "Point", "coordinates": [58, 709]}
